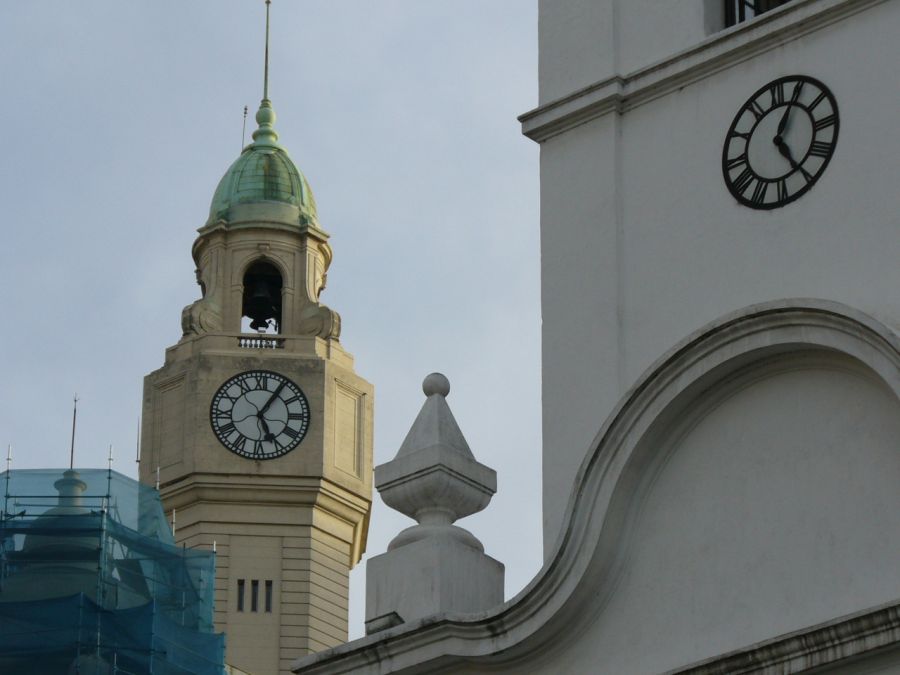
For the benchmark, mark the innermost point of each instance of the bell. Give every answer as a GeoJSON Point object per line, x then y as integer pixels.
{"type": "Point", "coordinates": [260, 307]}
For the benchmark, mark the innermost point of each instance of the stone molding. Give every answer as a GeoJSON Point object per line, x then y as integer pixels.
{"type": "Point", "coordinates": [278, 493]}
{"type": "Point", "coordinates": [819, 646]}
{"type": "Point", "coordinates": [562, 598]}
{"type": "Point", "coordinates": [623, 92]}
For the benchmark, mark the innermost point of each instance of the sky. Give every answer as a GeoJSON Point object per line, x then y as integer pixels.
{"type": "Point", "coordinates": [120, 119]}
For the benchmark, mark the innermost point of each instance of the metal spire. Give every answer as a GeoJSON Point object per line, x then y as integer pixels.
{"type": "Point", "coordinates": [266, 71]}
{"type": "Point", "coordinates": [265, 135]}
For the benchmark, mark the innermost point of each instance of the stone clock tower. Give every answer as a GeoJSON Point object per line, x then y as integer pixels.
{"type": "Point", "coordinates": [261, 437]}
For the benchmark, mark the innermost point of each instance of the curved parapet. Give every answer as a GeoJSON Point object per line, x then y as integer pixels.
{"type": "Point", "coordinates": [741, 496]}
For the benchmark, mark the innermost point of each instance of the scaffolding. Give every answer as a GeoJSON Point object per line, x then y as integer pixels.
{"type": "Point", "coordinates": [92, 582]}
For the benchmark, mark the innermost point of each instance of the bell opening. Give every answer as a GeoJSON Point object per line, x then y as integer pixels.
{"type": "Point", "coordinates": [261, 305]}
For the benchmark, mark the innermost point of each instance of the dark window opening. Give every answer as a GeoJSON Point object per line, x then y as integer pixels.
{"type": "Point", "coordinates": [240, 595]}
{"type": "Point", "coordinates": [261, 302]}
{"type": "Point", "coordinates": [737, 11]}
{"type": "Point", "coordinates": [254, 596]}
{"type": "Point", "coordinates": [268, 596]}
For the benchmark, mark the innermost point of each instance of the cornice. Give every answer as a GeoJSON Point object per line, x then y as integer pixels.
{"type": "Point", "coordinates": [621, 93]}
{"type": "Point", "coordinates": [273, 491]}
{"type": "Point", "coordinates": [261, 225]}
{"type": "Point", "coordinates": [582, 569]}
{"type": "Point", "coordinates": [821, 645]}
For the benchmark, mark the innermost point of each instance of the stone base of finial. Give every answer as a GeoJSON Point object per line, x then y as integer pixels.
{"type": "Point", "coordinates": [434, 575]}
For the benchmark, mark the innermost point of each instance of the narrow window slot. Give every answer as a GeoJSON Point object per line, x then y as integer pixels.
{"type": "Point", "coordinates": [254, 595]}
{"type": "Point", "coordinates": [240, 595]}
{"type": "Point", "coordinates": [268, 595]}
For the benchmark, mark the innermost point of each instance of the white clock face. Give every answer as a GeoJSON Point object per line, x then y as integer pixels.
{"type": "Point", "coordinates": [259, 414]}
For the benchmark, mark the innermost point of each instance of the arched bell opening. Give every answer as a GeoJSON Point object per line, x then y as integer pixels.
{"type": "Point", "coordinates": [261, 301]}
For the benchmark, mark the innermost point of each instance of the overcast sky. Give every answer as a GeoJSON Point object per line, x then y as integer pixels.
{"type": "Point", "coordinates": [120, 119]}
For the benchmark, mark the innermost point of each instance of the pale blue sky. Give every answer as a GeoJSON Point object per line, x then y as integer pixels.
{"type": "Point", "coordinates": [120, 118]}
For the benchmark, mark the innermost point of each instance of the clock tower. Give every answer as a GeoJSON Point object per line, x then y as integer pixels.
{"type": "Point", "coordinates": [256, 428]}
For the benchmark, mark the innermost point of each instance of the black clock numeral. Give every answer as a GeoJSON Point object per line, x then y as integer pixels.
{"type": "Point", "coordinates": [295, 416]}
{"type": "Point", "coordinates": [293, 433]}
{"type": "Point", "coordinates": [736, 162]}
{"type": "Point", "coordinates": [244, 385]}
{"type": "Point", "coordinates": [262, 381]}
{"type": "Point", "coordinates": [782, 190]}
{"type": "Point", "coordinates": [820, 149]}
{"type": "Point", "coordinates": [257, 448]}
{"type": "Point", "coordinates": [757, 110]}
{"type": "Point", "coordinates": [776, 91]}
{"type": "Point", "coordinates": [759, 192]}
{"type": "Point", "coordinates": [797, 89]}
{"type": "Point", "coordinates": [744, 136]}
{"type": "Point", "coordinates": [290, 400]}
{"type": "Point", "coordinates": [817, 100]}
{"type": "Point", "coordinates": [744, 180]}
{"type": "Point", "coordinates": [825, 122]}
{"type": "Point", "coordinates": [227, 428]}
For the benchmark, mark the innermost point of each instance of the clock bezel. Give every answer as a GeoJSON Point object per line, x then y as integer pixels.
{"type": "Point", "coordinates": [282, 450]}
{"type": "Point", "coordinates": [733, 134]}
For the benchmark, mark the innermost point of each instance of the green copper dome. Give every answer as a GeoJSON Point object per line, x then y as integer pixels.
{"type": "Point", "coordinates": [264, 173]}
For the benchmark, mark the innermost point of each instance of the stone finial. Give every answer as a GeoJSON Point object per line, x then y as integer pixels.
{"type": "Point", "coordinates": [265, 134]}
{"type": "Point", "coordinates": [434, 566]}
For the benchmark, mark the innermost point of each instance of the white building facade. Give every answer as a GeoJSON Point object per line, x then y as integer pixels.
{"type": "Point", "coordinates": [720, 231]}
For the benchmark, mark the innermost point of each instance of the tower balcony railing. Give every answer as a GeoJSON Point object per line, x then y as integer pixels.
{"type": "Point", "coordinates": [259, 344]}
{"type": "Point", "coordinates": [260, 341]}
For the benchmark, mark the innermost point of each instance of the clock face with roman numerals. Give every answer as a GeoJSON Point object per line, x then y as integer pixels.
{"type": "Point", "coordinates": [780, 142]}
{"type": "Point", "coordinates": [259, 414]}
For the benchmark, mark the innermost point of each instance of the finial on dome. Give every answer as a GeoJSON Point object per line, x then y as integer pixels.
{"type": "Point", "coordinates": [265, 116]}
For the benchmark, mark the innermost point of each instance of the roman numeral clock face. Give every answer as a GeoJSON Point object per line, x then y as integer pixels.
{"type": "Point", "coordinates": [780, 142]}
{"type": "Point", "coordinates": [259, 414]}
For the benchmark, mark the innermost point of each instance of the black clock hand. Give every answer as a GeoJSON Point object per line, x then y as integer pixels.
{"type": "Point", "coordinates": [271, 399]}
{"type": "Point", "coordinates": [267, 435]}
{"type": "Point", "coordinates": [783, 123]}
{"type": "Point", "coordinates": [786, 153]}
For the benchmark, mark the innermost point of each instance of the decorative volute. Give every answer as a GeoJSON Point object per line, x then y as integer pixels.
{"type": "Point", "coordinates": [434, 566]}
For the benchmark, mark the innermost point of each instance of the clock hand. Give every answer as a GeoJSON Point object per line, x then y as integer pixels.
{"type": "Point", "coordinates": [786, 153]}
{"type": "Point", "coordinates": [271, 399]}
{"type": "Point", "coordinates": [784, 120]}
{"type": "Point", "coordinates": [782, 125]}
{"type": "Point", "coordinates": [267, 435]}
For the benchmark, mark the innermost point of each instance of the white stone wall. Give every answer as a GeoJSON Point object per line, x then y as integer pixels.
{"type": "Point", "coordinates": [585, 41]}
{"type": "Point", "coordinates": [764, 509]}
{"type": "Point", "coordinates": [641, 241]}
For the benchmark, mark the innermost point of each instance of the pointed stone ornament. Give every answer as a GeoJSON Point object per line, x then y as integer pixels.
{"type": "Point", "coordinates": [435, 424]}
{"type": "Point", "coordinates": [433, 567]}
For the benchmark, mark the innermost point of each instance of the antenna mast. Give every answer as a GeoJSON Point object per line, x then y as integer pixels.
{"type": "Point", "coordinates": [74, 417]}
{"type": "Point", "coordinates": [137, 453]}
